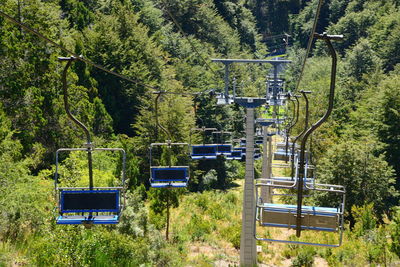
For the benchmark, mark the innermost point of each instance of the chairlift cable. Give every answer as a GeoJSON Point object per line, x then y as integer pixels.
{"type": "Point", "coordinates": [85, 60]}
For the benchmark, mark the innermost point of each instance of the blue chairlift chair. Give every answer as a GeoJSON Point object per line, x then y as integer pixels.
{"type": "Point", "coordinates": [258, 140]}
{"type": "Point", "coordinates": [84, 205]}
{"type": "Point", "coordinates": [203, 151]}
{"type": "Point", "coordinates": [208, 151]}
{"type": "Point", "coordinates": [224, 148]}
{"type": "Point", "coordinates": [87, 205]}
{"type": "Point", "coordinates": [168, 176]}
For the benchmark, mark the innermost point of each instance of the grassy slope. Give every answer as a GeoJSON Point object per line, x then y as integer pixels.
{"type": "Point", "coordinates": [207, 226]}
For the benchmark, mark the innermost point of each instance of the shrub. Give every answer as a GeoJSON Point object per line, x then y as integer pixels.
{"type": "Point", "coordinates": [305, 258]}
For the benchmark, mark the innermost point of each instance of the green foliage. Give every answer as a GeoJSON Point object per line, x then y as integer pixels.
{"type": "Point", "coordinates": [361, 60]}
{"type": "Point", "coordinates": [78, 14]}
{"type": "Point", "coordinates": [160, 199]}
{"type": "Point", "coordinates": [390, 108]}
{"type": "Point", "coordinates": [305, 258]}
{"type": "Point", "coordinates": [365, 219]}
{"type": "Point", "coordinates": [354, 25]}
{"type": "Point", "coordinates": [366, 177]}
{"type": "Point", "coordinates": [395, 232]}
{"type": "Point", "coordinates": [199, 227]}
{"type": "Point", "coordinates": [232, 234]}
{"type": "Point", "coordinates": [138, 38]}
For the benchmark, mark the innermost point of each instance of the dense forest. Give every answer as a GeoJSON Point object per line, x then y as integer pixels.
{"type": "Point", "coordinates": [167, 45]}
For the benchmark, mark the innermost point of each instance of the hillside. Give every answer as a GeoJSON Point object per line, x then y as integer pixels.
{"type": "Point", "coordinates": [159, 84]}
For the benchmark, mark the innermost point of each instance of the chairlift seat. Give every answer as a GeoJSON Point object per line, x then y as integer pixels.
{"type": "Point", "coordinates": [282, 155]}
{"type": "Point", "coordinates": [313, 218]}
{"type": "Point", "coordinates": [76, 219]}
{"type": "Point", "coordinates": [282, 146]}
{"type": "Point", "coordinates": [89, 201]}
{"type": "Point", "coordinates": [170, 184]}
{"type": "Point", "coordinates": [176, 176]}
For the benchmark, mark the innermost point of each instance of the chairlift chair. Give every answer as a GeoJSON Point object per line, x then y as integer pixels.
{"type": "Point", "coordinates": [203, 151]}
{"type": "Point", "coordinates": [258, 140]}
{"type": "Point", "coordinates": [301, 217]}
{"type": "Point", "coordinates": [223, 148]}
{"type": "Point", "coordinates": [87, 205]}
{"type": "Point", "coordinates": [328, 219]}
{"type": "Point", "coordinates": [168, 176]}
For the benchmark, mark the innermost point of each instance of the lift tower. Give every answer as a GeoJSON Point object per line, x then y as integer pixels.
{"type": "Point", "coordinates": [248, 253]}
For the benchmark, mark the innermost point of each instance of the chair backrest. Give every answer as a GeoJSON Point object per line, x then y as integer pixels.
{"type": "Point", "coordinates": [204, 150]}
{"type": "Point", "coordinates": [89, 201]}
{"type": "Point", "coordinates": [169, 174]}
{"type": "Point", "coordinates": [224, 148]}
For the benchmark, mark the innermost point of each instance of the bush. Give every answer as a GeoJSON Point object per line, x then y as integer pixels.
{"type": "Point", "coordinates": [232, 234]}
{"type": "Point", "coordinates": [305, 258]}
{"type": "Point", "coordinates": [198, 228]}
